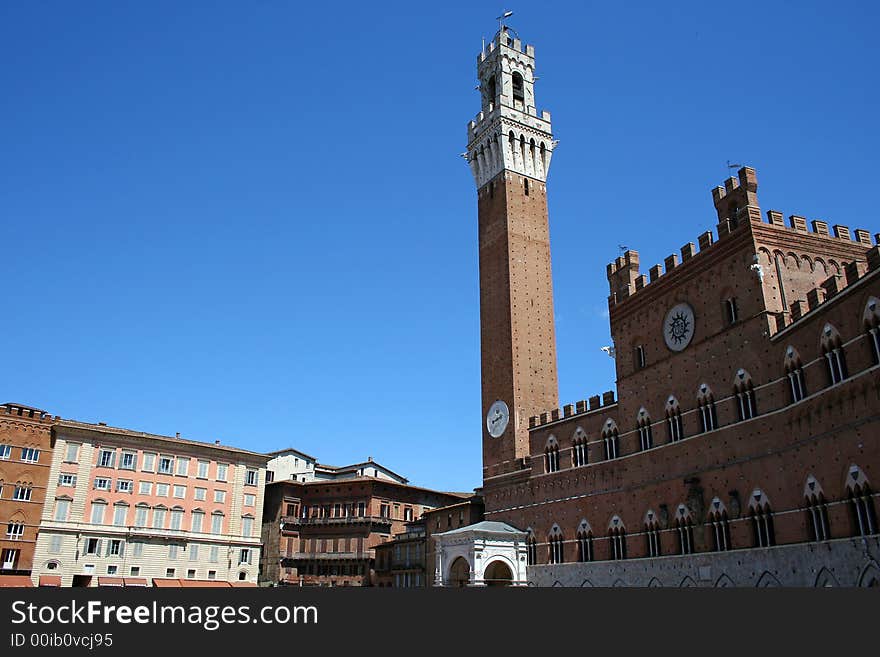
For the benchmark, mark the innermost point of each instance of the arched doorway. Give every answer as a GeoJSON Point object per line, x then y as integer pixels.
{"type": "Point", "coordinates": [460, 573]}
{"type": "Point", "coordinates": [498, 574]}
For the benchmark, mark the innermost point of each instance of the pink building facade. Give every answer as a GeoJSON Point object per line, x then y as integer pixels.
{"type": "Point", "coordinates": [125, 508]}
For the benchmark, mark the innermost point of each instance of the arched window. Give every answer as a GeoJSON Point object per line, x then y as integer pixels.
{"type": "Point", "coordinates": [617, 538]}
{"type": "Point", "coordinates": [684, 527]}
{"type": "Point", "coordinates": [652, 534]}
{"type": "Point", "coordinates": [872, 326]}
{"type": "Point", "coordinates": [744, 392]}
{"type": "Point", "coordinates": [674, 424]}
{"type": "Point", "coordinates": [817, 511]}
{"type": "Point", "coordinates": [531, 547]}
{"type": "Point", "coordinates": [706, 407]}
{"type": "Point", "coordinates": [551, 455]}
{"type": "Point", "coordinates": [579, 448]}
{"type": "Point", "coordinates": [491, 91]}
{"type": "Point", "coordinates": [832, 349]}
{"type": "Point", "coordinates": [640, 357]}
{"type": "Point", "coordinates": [762, 520]}
{"type": "Point", "coordinates": [519, 94]}
{"type": "Point", "coordinates": [720, 526]}
{"type": "Point", "coordinates": [556, 546]}
{"type": "Point", "coordinates": [731, 312]}
{"type": "Point", "coordinates": [794, 371]}
{"type": "Point", "coordinates": [585, 541]}
{"type": "Point", "coordinates": [643, 425]}
{"type": "Point", "coordinates": [611, 440]}
{"type": "Point", "coordinates": [159, 517]}
{"type": "Point", "coordinates": [861, 503]}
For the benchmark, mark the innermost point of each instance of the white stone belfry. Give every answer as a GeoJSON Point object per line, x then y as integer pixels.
{"type": "Point", "coordinates": [484, 554]}
{"type": "Point", "coordinates": [508, 134]}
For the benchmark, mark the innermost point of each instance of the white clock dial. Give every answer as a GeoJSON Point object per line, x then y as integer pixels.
{"type": "Point", "coordinates": [678, 326]}
{"type": "Point", "coordinates": [497, 418]}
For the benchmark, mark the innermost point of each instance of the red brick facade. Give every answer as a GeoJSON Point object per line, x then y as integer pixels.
{"type": "Point", "coordinates": [25, 457]}
{"type": "Point", "coordinates": [763, 430]}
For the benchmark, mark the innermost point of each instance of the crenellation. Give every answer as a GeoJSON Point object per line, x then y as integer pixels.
{"type": "Point", "coordinates": [815, 297]}
{"type": "Point", "coordinates": [854, 270]}
{"type": "Point", "coordinates": [655, 272]}
{"type": "Point", "coordinates": [798, 309]}
{"type": "Point", "coordinates": [581, 406]}
{"type": "Point", "coordinates": [608, 398]}
{"type": "Point", "coordinates": [775, 218]}
{"type": "Point", "coordinates": [841, 232]}
{"type": "Point", "coordinates": [705, 240]}
{"type": "Point", "coordinates": [832, 285]}
{"type": "Point", "coordinates": [820, 227]}
{"type": "Point", "coordinates": [688, 251]}
{"type": "Point", "coordinates": [798, 223]}
{"type": "Point", "coordinates": [568, 410]}
{"type": "Point", "coordinates": [863, 236]}
{"type": "Point", "coordinates": [641, 282]}
{"type": "Point", "coordinates": [873, 257]}
{"type": "Point", "coordinates": [595, 402]}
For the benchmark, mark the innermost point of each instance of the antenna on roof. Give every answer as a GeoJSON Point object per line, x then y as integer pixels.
{"type": "Point", "coordinates": [731, 167]}
{"type": "Point", "coordinates": [500, 19]}
{"type": "Point", "coordinates": [622, 248]}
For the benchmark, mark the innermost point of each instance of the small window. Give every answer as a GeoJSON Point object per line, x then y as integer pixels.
{"type": "Point", "coordinates": [128, 461]}
{"type": "Point", "coordinates": [518, 87]}
{"type": "Point", "coordinates": [66, 479]}
{"type": "Point", "coordinates": [221, 471]}
{"type": "Point", "coordinates": [526, 186]}
{"type": "Point", "coordinates": [251, 478]}
{"type": "Point", "coordinates": [166, 465]}
{"type": "Point", "coordinates": [731, 313]}
{"type": "Point", "coordinates": [30, 455]}
{"type": "Point", "coordinates": [640, 357]}
{"type": "Point", "coordinates": [106, 458]}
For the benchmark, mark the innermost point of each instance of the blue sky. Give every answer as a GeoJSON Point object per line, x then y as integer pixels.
{"type": "Point", "coordinates": [250, 222]}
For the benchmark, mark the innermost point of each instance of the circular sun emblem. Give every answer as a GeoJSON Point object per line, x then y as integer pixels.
{"type": "Point", "coordinates": [678, 327]}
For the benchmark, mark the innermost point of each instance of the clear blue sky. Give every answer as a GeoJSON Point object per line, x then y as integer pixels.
{"type": "Point", "coordinates": [250, 222]}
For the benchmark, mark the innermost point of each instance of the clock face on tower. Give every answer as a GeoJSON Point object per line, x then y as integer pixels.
{"type": "Point", "coordinates": [678, 327]}
{"type": "Point", "coordinates": [497, 418]}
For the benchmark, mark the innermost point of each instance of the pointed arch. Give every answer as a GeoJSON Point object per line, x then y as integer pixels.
{"type": "Point", "coordinates": [531, 547]}
{"type": "Point", "coordinates": [586, 584]}
{"type": "Point", "coordinates": [744, 391]}
{"type": "Point", "coordinates": [761, 516]}
{"type": "Point", "coordinates": [719, 524]}
{"type": "Point", "coordinates": [706, 407]}
{"type": "Point", "coordinates": [674, 424]}
{"type": "Point", "coordinates": [585, 541]}
{"type": "Point", "coordinates": [870, 576]}
{"type": "Point", "coordinates": [767, 580]}
{"type": "Point", "coordinates": [617, 536]}
{"type": "Point", "coordinates": [825, 579]}
{"type": "Point", "coordinates": [835, 356]}
{"type": "Point", "coordinates": [687, 582]}
{"type": "Point", "coordinates": [643, 426]}
{"type": "Point", "coordinates": [652, 534]}
{"type": "Point", "coordinates": [794, 369]}
{"type": "Point", "coordinates": [871, 320]}
{"type": "Point", "coordinates": [816, 510]}
{"type": "Point", "coordinates": [579, 450]}
{"type": "Point", "coordinates": [724, 582]}
{"type": "Point", "coordinates": [860, 500]}
{"type": "Point", "coordinates": [655, 583]}
{"type": "Point", "coordinates": [551, 454]}
{"type": "Point", "coordinates": [555, 545]}
{"type": "Point", "coordinates": [611, 440]}
{"type": "Point", "coordinates": [684, 526]}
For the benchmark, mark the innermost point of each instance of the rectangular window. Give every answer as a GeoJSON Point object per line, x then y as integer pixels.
{"type": "Point", "coordinates": [221, 471]}
{"type": "Point", "coordinates": [158, 518]}
{"type": "Point", "coordinates": [114, 548]}
{"type": "Point", "coordinates": [119, 515]}
{"type": "Point", "coordinates": [98, 513]}
{"type": "Point", "coordinates": [244, 556]}
{"type": "Point", "coordinates": [140, 516]}
{"type": "Point", "coordinates": [176, 519]}
{"type": "Point", "coordinates": [124, 486]}
{"type": "Point", "coordinates": [137, 549]}
{"type": "Point", "coordinates": [362, 509]}
{"type": "Point", "coordinates": [169, 573]}
{"type": "Point", "coordinates": [128, 461]}
{"type": "Point", "coordinates": [214, 554]}
{"type": "Point", "coordinates": [149, 463]}
{"type": "Point", "coordinates": [166, 465]}
{"type": "Point", "coordinates": [172, 552]}
{"type": "Point", "coordinates": [72, 454]}
{"type": "Point", "coordinates": [102, 483]}
{"type": "Point", "coordinates": [30, 455]}
{"type": "Point", "coordinates": [182, 466]}
{"type": "Point", "coordinates": [217, 524]}
{"type": "Point", "coordinates": [247, 527]}
{"type": "Point", "coordinates": [66, 479]}
{"type": "Point", "coordinates": [162, 490]}
{"type": "Point", "coordinates": [112, 569]}
{"type": "Point", "coordinates": [180, 492]}
{"type": "Point", "coordinates": [5, 451]}
{"type": "Point", "coordinates": [193, 551]}
{"type": "Point", "coordinates": [212, 574]}
{"type": "Point", "coordinates": [200, 494]}
{"type": "Point", "coordinates": [198, 520]}
{"type": "Point", "coordinates": [55, 544]}
{"type": "Point", "coordinates": [62, 507]}
{"type": "Point", "coordinates": [250, 499]}
{"type": "Point", "coordinates": [191, 573]}
{"type": "Point", "coordinates": [106, 458]}
{"type": "Point", "coordinates": [384, 510]}
{"type": "Point", "coordinates": [145, 488]}
{"type": "Point", "coordinates": [203, 469]}
{"type": "Point", "coordinates": [93, 545]}
{"type": "Point", "coordinates": [251, 477]}
{"type": "Point", "coordinates": [219, 496]}
{"type": "Point", "coordinates": [22, 493]}
{"type": "Point", "coordinates": [14, 531]}
{"type": "Point", "coordinates": [135, 571]}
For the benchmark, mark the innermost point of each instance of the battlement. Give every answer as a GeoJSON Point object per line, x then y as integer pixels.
{"type": "Point", "coordinates": [19, 410]}
{"type": "Point", "coordinates": [582, 407]}
{"type": "Point", "coordinates": [828, 289]}
{"type": "Point", "coordinates": [504, 38]}
{"type": "Point", "coordinates": [736, 204]}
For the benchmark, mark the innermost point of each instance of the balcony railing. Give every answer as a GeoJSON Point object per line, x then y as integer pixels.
{"type": "Point", "coordinates": [346, 520]}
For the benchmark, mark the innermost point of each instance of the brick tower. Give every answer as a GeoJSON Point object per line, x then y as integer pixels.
{"type": "Point", "coordinates": [509, 150]}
